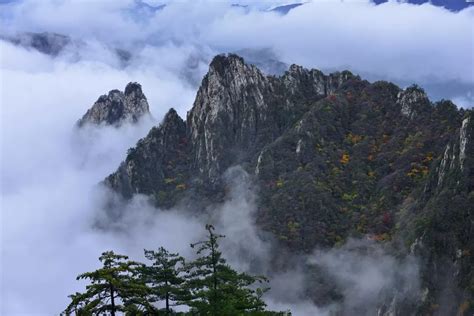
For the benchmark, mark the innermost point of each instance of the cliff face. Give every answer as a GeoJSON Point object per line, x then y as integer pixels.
{"type": "Point", "coordinates": [334, 157]}
{"type": "Point", "coordinates": [442, 224]}
{"type": "Point", "coordinates": [230, 114]}
{"type": "Point", "coordinates": [238, 110]}
{"type": "Point", "coordinates": [117, 107]}
{"type": "Point", "coordinates": [158, 164]}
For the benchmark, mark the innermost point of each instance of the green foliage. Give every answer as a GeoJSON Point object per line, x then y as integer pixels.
{"type": "Point", "coordinates": [169, 180]}
{"type": "Point", "coordinates": [164, 277]}
{"type": "Point", "coordinates": [293, 226]}
{"type": "Point", "coordinates": [353, 138]}
{"type": "Point", "coordinates": [208, 285]}
{"type": "Point", "coordinates": [349, 197]}
{"type": "Point", "coordinates": [113, 288]}
{"type": "Point", "coordinates": [217, 289]}
{"type": "Point", "coordinates": [279, 183]}
{"type": "Point", "coordinates": [181, 186]}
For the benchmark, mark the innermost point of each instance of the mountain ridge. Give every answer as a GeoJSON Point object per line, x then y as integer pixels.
{"type": "Point", "coordinates": [334, 157]}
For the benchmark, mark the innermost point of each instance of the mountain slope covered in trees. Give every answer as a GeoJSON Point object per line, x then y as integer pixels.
{"type": "Point", "coordinates": [334, 156]}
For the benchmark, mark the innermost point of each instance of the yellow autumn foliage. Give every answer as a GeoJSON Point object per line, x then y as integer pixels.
{"type": "Point", "coordinates": [345, 158]}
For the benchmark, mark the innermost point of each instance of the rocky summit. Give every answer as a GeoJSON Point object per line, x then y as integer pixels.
{"type": "Point", "coordinates": [334, 157]}
{"type": "Point", "coordinates": [117, 107]}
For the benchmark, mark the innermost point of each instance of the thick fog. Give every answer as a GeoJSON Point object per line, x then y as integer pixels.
{"type": "Point", "coordinates": [50, 171]}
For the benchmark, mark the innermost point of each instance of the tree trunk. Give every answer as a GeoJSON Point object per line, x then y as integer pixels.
{"type": "Point", "coordinates": [112, 301]}
{"type": "Point", "coordinates": [167, 298]}
{"type": "Point", "coordinates": [214, 273]}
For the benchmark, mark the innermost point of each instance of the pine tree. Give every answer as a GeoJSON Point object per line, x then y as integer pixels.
{"type": "Point", "coordinates": [113, 288]}
{"type": "Point", "coordinates": [164, 278]}
{"type": "Point", "coordinates": [208, 285]}
{"type": "Point", "coordinates": [217, 289]}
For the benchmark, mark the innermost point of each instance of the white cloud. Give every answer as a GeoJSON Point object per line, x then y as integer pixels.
{"type": "Point", "coordinates": [392, 40]}
{"type": "Point", "coordinates": [365, 273]}
{"type": "Point", "coordinates": [398, 41]}
{"type": "Point", "coordinates": [49, 171]}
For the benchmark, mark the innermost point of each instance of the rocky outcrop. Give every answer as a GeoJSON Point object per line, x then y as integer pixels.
{"type": "Point", "coordinates": [230, 111]}
{"type": "Point", "coordinates": [158, 163]}
{"type": "Point", "coordinates": [465, 137]}
{"type": "Point", "coordinates": [312, 82]}
{"type": "Point", "coordinates": [413, 101]}
{"type": "Point", "coordinates": [117, 107]}
{"type": "Point", "coordinates": [453, 164]}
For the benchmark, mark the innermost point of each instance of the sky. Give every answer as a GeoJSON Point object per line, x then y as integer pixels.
{"type": "Point", "coordinates": [50, 171]}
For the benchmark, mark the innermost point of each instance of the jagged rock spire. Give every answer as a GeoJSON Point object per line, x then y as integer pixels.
{"type": "Point", "coordinates": [118, 107]}
{"type": "Point", "coordinates": [229, 109]}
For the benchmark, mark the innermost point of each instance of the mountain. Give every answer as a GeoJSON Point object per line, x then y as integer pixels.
{"type": "Point", "coordinates": [452, 5]}
{"type": "Point", "coordinates": [46, 42]}
{"type": "Point", "coordinates": [284, 9]}
{"type": "Point", "coordinates": [54, 44]}
{"type": "Point", "coordinates": [117, 107]}
{"type": "Point", "coordinates": [334, 157]}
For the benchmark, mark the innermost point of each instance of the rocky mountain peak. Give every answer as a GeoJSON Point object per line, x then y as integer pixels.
{"type": "Point", "coordinates": [312, 81]}
{"type": "Point", "coordinates": [298, 79]}
{"type": "Point", "coordinates": [229, 105]}
{"type": "Point", "coordinates": [231, 71]}
{"type": "Point", "coordinates": [133, 88]}
{"type": "Point", "coordinates": [172, 122]}
{"type": "Point", "coordinates": [171, 116]}
{"type": "Point", "coordinates": [226, 63]}
{"type": "Point", "coordinates": [118, 107]}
